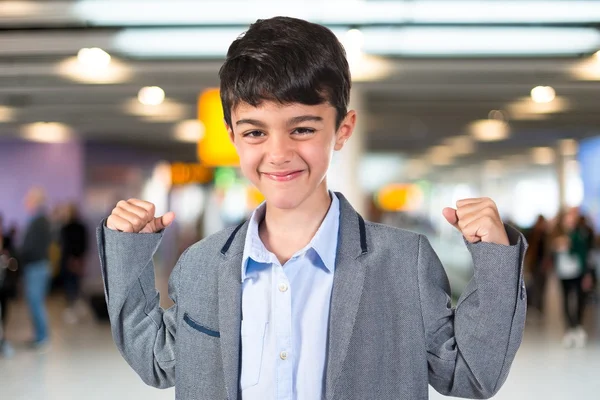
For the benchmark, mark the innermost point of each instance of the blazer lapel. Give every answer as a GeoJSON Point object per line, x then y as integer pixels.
{"type": "Point", "coordinates": [230, 308]}
{"type": "Point", "coordinates": [347, 290]}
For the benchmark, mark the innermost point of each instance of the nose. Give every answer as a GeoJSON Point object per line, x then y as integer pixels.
{"type": "Point", "coordinates": [280, 150]}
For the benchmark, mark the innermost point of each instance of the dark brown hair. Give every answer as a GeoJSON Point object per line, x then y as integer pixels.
{"type": "Point", "coordinates": [286, 60]}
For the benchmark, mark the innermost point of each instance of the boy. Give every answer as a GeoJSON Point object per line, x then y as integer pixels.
{"type": "Point", "coordinates": [306, 300]}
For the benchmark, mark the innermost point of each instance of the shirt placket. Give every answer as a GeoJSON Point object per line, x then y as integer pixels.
{"type": "Point", "coordinates": [283, 331]}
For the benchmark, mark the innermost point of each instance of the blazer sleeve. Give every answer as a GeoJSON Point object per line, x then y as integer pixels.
{"type": "Point", "coordinates": [470, 348]}
{"type": "Point", "coordinates": [144, 333]}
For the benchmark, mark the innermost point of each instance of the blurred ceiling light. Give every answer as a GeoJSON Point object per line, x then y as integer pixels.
{"type": "Point", "coordinates": [7, 114]}
{"type": "Point", "coordinates": [151, 96]}
{"type": "Point", "coordinates": [371, 68]}
{"type": "Point", "coordinates": [497, 115]}
{"type": "Point", "coordinates": [353, 43]}
{"type": "Point", "coordinates": [440, 155]}
{"type": "Point", "coordinates": [543, 155]}
{"type": "Point", "coordinates": [182, 42]}
{"type": "Point", "coordinates": [568, 147]}
{"type": "Point", "coordinates": [13, 9]}
{"type": "Point", "coordinates": [47, 132]}
{"type": "Point", "coordinates": [93, 58]}
{"type": "Point", "coordinates": [494, 11]}
{"type": "Point", "coordinates": [461, 145]}
{"type": "Point", "coordinates": [441, 151]}
{"type": "Point", "coordinates": [479, 41]}
{"type": "Point", "coordinates": [526, 116]}
{"type": "Point", "coordinates": [543, 94]}
{"type": "Point", "coordinates": [442, 161]}
{"type": "Point", "coordinates": [354, 12]}
{"type": "Point", "coordinates": [588, 69]}
{"type": "Point", "coordinates": [363, 67]}
{"type": "Point", "coordinates": [74, 69]}
{"type": "Point", "coordinates": [526, 108]}
{"type": "Point", "coordinates": [189, 131]}
{"type": "Point", "coordinates": [167, 111]}
{"type": "Point", "coordinates": [383, 41]}
{"type": "Point", "coordinates": [489, 130]}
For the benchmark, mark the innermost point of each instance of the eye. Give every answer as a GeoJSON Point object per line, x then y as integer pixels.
{"type": "Point", "coordinates": [304, 131]}
{"type": "Point", "coordinates": [254, 134]}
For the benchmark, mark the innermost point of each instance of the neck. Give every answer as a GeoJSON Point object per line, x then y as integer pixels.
{"type": "Point", "coordinates": [283, 235]}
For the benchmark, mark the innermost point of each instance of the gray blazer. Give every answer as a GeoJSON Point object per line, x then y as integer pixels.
{"type": "Point", "coordinates": [392, 328]}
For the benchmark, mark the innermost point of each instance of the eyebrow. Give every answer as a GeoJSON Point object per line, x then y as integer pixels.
{"type": "Point", "coordinates": [253, 122]}
{"type": "Point", "coordinates": [304, 118]}
{"type": "Point", "coordinates": [291, 121]}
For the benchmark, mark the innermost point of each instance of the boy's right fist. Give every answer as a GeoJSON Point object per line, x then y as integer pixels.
{"type": "Point", "coordinates": [137, 216]}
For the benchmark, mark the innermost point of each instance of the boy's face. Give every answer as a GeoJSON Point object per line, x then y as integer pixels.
{"type": "Point", "coordinates": [285, 150]}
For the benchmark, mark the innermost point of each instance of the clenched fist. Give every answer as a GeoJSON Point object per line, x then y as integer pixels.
{"type": "Point", "coordinates": [137, 216]}
{"type": "Point", "coordinates": [478, 220]}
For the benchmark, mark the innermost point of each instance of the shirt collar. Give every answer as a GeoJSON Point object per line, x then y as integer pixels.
{"type": "Point", "coordinates": [324, 243]}
{"type": "Point", "coordinates": [325, 240]}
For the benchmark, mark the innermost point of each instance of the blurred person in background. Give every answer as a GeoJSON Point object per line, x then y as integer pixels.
{"type": "Point", "coordinates": [595, 269]}
{"type": "Point", "coordinates": [33, 256]}
{"type": "Point", "coordinates": [570, 246]}
{"type": "Point", "coordinates": [73, 246]}
{"type": "Point", "coordinates": [585, 252]}
{"type": "Point", "coordinates": [538, 262]}
{"type": "Point", "coordinates": [58, 218]}
{"type": "Point", "coordinates": [8, 287]}
{"type": "Point", "coordinates": [10, 238]}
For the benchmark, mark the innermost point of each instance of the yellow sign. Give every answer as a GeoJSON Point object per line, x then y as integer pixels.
{"type": "Point", "coordinates": [214, 149]}
{"type": "Point", "coordinates": [399, 197]}
{"type": "Point", "coordinates": [183, 174]}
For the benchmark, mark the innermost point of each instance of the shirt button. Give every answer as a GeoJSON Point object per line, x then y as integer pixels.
{"type": "Point", "coordinates": [283, 355]}
{"type": "Point", "coordinates": [283, 287]}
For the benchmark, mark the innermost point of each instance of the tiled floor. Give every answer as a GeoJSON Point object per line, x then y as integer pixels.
{"type": "Point", "coordinates": [82, 363]}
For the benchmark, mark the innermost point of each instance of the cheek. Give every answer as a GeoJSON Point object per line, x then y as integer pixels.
{"type": "Point", "coordinates": [249, 162]}
{"type": "Point", "coordinates": [318, 156]}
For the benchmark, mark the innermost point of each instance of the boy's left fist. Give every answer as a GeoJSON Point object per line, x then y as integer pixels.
{"type": "Point", "coordinates": [478, 220]}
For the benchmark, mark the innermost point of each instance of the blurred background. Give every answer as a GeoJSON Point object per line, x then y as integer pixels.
{"type": "Point", "coordinates": [102, 100]}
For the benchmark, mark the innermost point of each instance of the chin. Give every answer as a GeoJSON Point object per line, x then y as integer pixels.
{"type": "Point", "coordinates": [285, 200]}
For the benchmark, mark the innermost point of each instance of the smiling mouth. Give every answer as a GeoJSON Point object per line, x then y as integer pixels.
{"type": "Point", "coordinates": [282, 176]}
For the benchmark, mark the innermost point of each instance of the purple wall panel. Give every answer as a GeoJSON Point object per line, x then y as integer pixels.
{"type": "Point", "coordinates": [76, 172]}
{"type": "Point", "coordinates": [58, 168]}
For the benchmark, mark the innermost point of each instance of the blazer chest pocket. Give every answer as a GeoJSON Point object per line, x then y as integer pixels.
{"type": "Point", "coordinates": [190, 322]}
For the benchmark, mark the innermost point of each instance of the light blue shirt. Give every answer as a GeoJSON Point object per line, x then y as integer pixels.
{"type": "Point", "coordinates": [285, 314]}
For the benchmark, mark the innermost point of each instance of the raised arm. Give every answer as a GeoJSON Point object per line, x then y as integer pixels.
{"type": "Point", "coordinates": [144, 333]}
{"type": "Point", "coordinates": [471, 347]}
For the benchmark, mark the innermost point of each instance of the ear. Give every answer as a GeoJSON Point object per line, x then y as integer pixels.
{"type": "Point", "coordinates": [345, 130]}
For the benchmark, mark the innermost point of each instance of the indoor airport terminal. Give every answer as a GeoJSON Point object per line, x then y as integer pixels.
{"type": "Point", "coordinates": [299, 199]}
